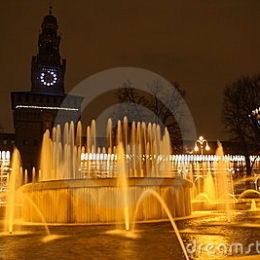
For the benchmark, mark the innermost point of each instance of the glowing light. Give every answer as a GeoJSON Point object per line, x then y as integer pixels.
{"type": "Point", "coordinates": [180, 158]}
{"type": "Point", "coordinates": [256, 111]}
{"type": "Point", "coordinates": [196, 148]}
{"type": "Point", "coordinates": [48, 81]}
{"type": "Point", "coordinates": [5, 155]}
{"type": "Point", "coordinates": [47, 108]}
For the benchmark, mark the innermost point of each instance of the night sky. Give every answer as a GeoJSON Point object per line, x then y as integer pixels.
{"type": "Point", "coordinates": [201, 44]}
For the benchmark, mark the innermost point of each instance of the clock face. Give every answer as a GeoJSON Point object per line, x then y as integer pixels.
{"type": "Point", "coordinates": [48, 77]}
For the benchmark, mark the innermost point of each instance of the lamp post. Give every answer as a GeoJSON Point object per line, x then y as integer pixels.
{"type": "Point", "coordinates": [255, 117]}
{"type": "Point", "coordinates": [201, 144]}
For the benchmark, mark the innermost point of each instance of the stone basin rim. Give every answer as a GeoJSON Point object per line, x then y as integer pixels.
{"type": "Point", "coordinates": [106, 182]}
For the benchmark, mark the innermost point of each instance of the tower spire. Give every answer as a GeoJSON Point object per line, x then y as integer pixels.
{"type": "Point", "coordinates": [48, 68]}
{"type": "Point", "coordinates": [50, 9]}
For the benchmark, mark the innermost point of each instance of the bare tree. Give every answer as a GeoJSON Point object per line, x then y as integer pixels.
{"type": "Point", "coordinates": [162, 112]}
{"type": "Point", "coordinates": [240, 99]}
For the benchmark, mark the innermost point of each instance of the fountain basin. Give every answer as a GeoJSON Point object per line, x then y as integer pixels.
{"type": "Point", "coordinates": [100, 200]}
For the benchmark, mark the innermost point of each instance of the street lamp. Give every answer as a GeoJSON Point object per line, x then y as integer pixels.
{"type": "Point", "coordinates": [201, 144]}
{"type": "Point", "coordinates": [255, 115]}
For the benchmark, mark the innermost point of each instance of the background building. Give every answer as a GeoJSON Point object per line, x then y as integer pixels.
{"type": "Point", "coordinates": [36, 111]}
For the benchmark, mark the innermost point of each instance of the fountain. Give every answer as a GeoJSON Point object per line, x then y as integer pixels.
{"type": "Point", "coordinates": [14, 182]}
{"type": "Point", "coordinates": [89, 184]}
{"type": "Point", "coordinates": [14, 197]}
{"type": "Point", "coordinates": [216, 189]}
{"type": "Point", "coordinates": [107, 187]}
{"type": "Point", "coordinates": [209, 187]}
{"type": "Point", "coordinates": [253, 206]}
{"type": "Point", "coordinates": [224, 184]}
{"type": "Point", "coordinates": [248, 192]}
{"type": "Point", "coordinates": [123, 184]}
{"type": "Point", "coordinates": [85, 183]}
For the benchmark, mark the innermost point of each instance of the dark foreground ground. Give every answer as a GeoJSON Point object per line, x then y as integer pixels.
{"type": "Point", "coordinates": [150, 241]}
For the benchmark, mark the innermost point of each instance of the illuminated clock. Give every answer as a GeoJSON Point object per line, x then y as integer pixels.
{"type": "Point", "coordinates": [48, 78]}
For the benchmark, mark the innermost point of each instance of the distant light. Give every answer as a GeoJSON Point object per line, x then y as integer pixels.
{"type": "Point", "coordinates": [5, 155]}
{"type": "Point", "coordinates": [48, 108]}
{"type": "Point", "coordinates": [179, 158]}
{"type": "Point", "coordinates": [8, 155]}
{"type": "Point", "coordinates": [256, 111]}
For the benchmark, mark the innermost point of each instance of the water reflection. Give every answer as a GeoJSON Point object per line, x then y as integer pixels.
{"type": "Point", "coordinates": [151, 241]}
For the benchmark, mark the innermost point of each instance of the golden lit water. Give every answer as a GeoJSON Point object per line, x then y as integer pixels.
{"type": "Point", "coordinates": [138, 184]}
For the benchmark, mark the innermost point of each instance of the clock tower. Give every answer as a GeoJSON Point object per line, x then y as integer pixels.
{"type": "Point", "coordinates": [48, 68]}
{"type": "Point", "coordinates": [46, 104]}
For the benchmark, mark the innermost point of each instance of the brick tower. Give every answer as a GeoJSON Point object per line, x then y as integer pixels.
{"type": "Point", "coordinates": [46, 104]}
